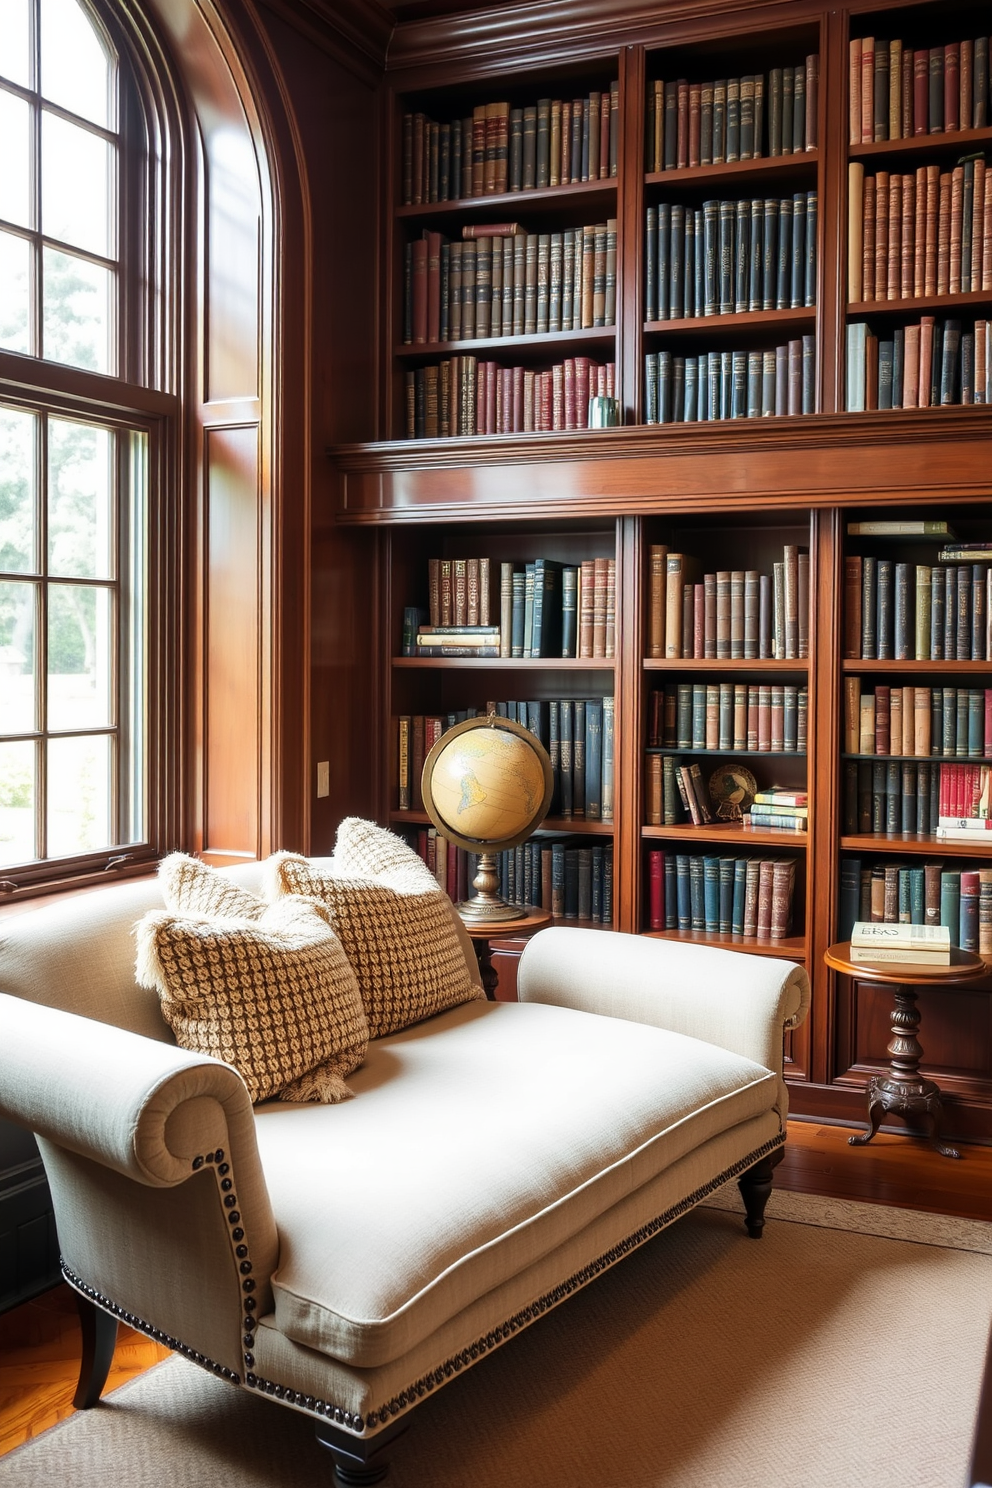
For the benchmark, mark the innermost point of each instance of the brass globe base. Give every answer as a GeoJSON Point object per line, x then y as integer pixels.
{"type": "Point", "coordinates": [487, 905]}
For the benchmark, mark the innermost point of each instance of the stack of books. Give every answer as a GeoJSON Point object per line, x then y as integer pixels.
{"type": "Point", "coordinates": [788, 810]}
{"type": "Point", "coordinates": [920, 945]}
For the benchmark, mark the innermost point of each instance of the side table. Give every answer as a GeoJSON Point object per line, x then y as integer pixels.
{"type": "Point", "coordinates": [904, 1091]}
{"type": "Point", "coordinates": [482, 932]}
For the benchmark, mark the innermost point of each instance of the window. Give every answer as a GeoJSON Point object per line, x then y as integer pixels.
{"type": "Point", "coordinates": [78, 444]}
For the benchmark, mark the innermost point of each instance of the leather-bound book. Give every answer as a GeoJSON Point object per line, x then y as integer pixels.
{"type": "Point", "coordinates": [868, 240]}
{"type": "Point", "coordinates": [906, 127]}
{"type": "Point", "coordinates": [746, 117]}
{"type": "Point", "coordinates": [706, 124]}
{"type": "Point", "coordinates": [854, 93]}
{"type": "Point", "coordinates": [605, 127]}
{"type": "Point", "coordinates": [733, 119]}
{"type": "Point", "coordinates": [894, 264]}
{"type": "Point", "coordinates": [419, 289]}
{"type": "Point", "coordinates": [759, 116]}
{"type": "Point", "coordinates": [788, 94]}
{"type": "Point", "coordinates": [880, 92]}
{"type": "Point", "coordinates": [894, 130]}
{"type": "Point", "coordinates": [908, 245]}
{"type": "Point", "coordinates": [682, 125]}
{"type": "Point", "coordinates": [967, 69]}
{"type": "Point", "coordinates": [855, 232]}
{"type": "Point", "coordinates": [980, 83]}
{"type": "Point", "coordinates": [932, 213]}
{"type": "Point", "coordinates": [936, 91]}
{"type": "Point", "coordinates": [926, 360]}
{"type": "Point", "coordinates": [695, 123]}
{"type": "Point", "coordinates": [867, 89]}
{"type": "Point", "coordinates": [944, 234]}
{"type": "Point", "coordinates": [881, 278]}
{"type": "Point", "coordinates": [921, 92]}
{"type": "Point", "coordinates": [952, 87]}
{"type": "Point", "coordinates": [955, 225]}
{"type": "Point", "coordinates": [967, 220]}
{"type": "Point", "coordinates": [775, 107]}
{"type": "Point", "coordinates": [812, 101]}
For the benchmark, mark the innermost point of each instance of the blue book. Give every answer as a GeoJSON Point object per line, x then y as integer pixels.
{"type": "Point", "coordinates": [950, 904]}
{"type": "Point", "coordinates": [608, 883]}
{"type": "Point", "coordinates": [554, 755]}
{"type": "Point", "coordinates": [976, 723]}
{"type": "Point", "coordinates": [849, 897]}
{"type": "Point", "coordinates": [558, 879]}
{"type": "Point", "coordinates": [697, 894]}
{"type": "Point", "coordinates": [726, 895]}
{"type": "Point", "coordinates": [596, 911]}
{"type": "Point", "coordinates": [905, 913]}
{"type": "Point", "coordinates": [740, 885]}
{"type": "Point", "coordinates": [536, 719]}
{"type": "Point", "coordinates": [594, 759]}
{"type": "Point", "coordinates": [711, 892]}
{"type": "Point", "coordinates": [609, 757]}
{"type": "Point", "coordinates": [682, 891]}
{"type": "Point", "coordinates": [671, 893]}
{"type": "Point", "coordinates": [969, 911]}
{"type": "Point", "coordinates": [579, 758]}
{"type": "Point", "coordinates": [567, 731]}
{"type": "Point", "coordinates": [917, 896]}
{"type": "Point", "coordinates": [546, 629]}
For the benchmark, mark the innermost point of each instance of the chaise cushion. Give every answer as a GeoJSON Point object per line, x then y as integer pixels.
{"type": "Point", "coordinates": [396, 925]}
{"type": "Point", "coordinates": [479, 1142]}
{"type": "Point", "coordinates": [274, 997]}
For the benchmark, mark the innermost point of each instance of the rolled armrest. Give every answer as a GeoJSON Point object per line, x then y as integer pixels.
{"type": "Point", "coordinates": [137, 1105]}
{"type": "Point", "coordinates": [740, 1002]}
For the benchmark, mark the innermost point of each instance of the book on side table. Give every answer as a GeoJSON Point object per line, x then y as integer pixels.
{"type": "Point", "coordinates": [922, 945]}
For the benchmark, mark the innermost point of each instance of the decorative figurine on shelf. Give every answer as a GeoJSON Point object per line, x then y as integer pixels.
{"type": "Point", "coordinates": [732, 790]}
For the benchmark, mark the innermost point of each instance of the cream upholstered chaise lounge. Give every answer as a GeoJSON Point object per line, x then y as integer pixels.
{"type": "Point", "coordinates": [349, 1259]}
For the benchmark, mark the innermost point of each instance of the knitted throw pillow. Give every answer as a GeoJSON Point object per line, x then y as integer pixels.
{"type": "Point", "coordinates": [274, 997]}
{"type": "Point", "coordinates": [396, 925]}
{"type": "Point", "coordinates": [195, 888]}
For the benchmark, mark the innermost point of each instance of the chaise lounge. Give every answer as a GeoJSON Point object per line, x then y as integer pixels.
{"type": "Point", "coordinates": [348, 1258]}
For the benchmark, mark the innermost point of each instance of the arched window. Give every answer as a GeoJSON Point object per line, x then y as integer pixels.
{"type": "Point", "coordinates": [85, 412]}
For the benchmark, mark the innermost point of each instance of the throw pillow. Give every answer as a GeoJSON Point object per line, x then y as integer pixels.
{"type": "Point", "coordinates": [195, 888]}
{"type": "Point", "coordinates": [274, 997]}
{"type": "Point", "coordinates": [396, 924]}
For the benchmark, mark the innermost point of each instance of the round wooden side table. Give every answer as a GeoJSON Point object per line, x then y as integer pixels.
{"type": "Point", "coordinates": [482, 932]}
{"type": "Point", "coordinates": [904, 1091]}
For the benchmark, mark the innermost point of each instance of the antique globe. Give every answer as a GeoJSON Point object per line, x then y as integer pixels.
{"type": "Point", "coordinates": [487, 786]}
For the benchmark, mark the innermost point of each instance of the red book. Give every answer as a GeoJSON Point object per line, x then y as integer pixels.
{"type": "Point", "coordinates": [570, 415]}
{"type": "Point", "coordinates": [558, 396]}
{"type": "Point", "coordinates": [656, 889]}
{"type": "Point", "coordinates": [854, 92]}
{"type": "Point", "coordinates": [419, 289]}
{"type": "Point", "coordinates": [926, 358]}
{"type": "Point", "coordinates": [582, 372]}
{"type": "Point", "coordinates": [883, 697]}
{"type": "Point", "coordinates": [546, 424]}
{"type": "Point", "coordinates": [868, 89]}
{"type": "Point", "coordinates": [952, 86]}
{"type": "Point", "coordinates": [988, 723]}
{"type": "Point", "coordinates": [517, 424]}
{"type": "Point", "coordinates": [911, 370]}
{"type": "Point", "coordinates": [490, 424]}
{"type": "Point", "coordinates": [921, 92]}
{"type": "Point", "coordinates": [699, 620]}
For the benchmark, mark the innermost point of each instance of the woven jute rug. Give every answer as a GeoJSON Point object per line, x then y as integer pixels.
{"type": "Point", "coordinates": [843, 1348]}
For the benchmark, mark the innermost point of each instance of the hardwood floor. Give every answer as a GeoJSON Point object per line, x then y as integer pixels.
{"type": "Point", "coordinates": [39, 1341]}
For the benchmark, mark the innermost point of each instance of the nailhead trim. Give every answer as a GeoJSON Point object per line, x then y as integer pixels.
{"type": "Point", "coordinates": [434, 1378]}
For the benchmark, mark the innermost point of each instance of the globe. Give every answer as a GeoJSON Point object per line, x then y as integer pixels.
{"type": "Point", "coordinates": [486, 787]}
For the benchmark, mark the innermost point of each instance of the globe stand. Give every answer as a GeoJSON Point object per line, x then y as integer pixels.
{"type": "Point", "coordinates": [487, 905]}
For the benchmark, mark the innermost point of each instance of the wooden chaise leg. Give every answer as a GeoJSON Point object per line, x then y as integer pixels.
{"type": "Point", "coordinates": [755, 1186]}
{"type": "Point", "coordinates": [99, 1339]}
{"type": "Point", "coordinates": [358, 1463]}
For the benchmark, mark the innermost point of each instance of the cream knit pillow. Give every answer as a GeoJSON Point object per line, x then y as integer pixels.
{"type": "Point", "coordinates": [274, 997]}
{"type": "Point", "coordinates": [396, 925]}
{"type": "Point", "coordinates": [194, 887]}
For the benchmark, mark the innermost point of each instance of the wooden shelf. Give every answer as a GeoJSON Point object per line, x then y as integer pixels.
{"type": "Point", "coordinates": [597, 336]}
{"type": "Point", "coordinates": [946, 304]}
{"type": "Point", "coordinates": [743, 320]}
{"type": "Point", "coordinates": [738, 172]}
{"type": "Point", "coordinates": [600, 193]}
{"type": "Point", "coordinates": [915, 842]}
{"type": "Point", "coordinates": [960, 142]}
{"type": "Point", "coordinates": [921, 759]}
{"type": "Point", "coordinates": [790, 947]}
{"type": "Point", "coordinates": [935, 668]}
{"type": "Point", "coordinates": [507, 663]}
{"type": "Point", "coordinates": [727, 832]}
{"type": "Point", "coordinates": [721, 664]}
{"type": "Point", "coordinates": [722, 753]}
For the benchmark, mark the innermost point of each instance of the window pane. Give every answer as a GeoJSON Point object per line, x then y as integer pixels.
{"type": "Point", "coordinates": [77, 185]}
{"type": "Point", "coordinates": [15, 41]}
{"type": "Point", "coordinates": [18, 609]}
{"type": "Point", "coordinates": [80, 539]}
{"type": "Point", "coordinates": [76, 72]}
{"type": "Point", "coordinates": [77, 320]}
{"type": "Point", "coordinates": [79, 788]}
{"type": "Point", "coordinates": [15, 160]}
{"type": "Point", "coordinates": [17, 798]}
{"type": "Point", "coordinates": [15, 293]}
{"type": "Point", "coordinates": [18, 511]}
{"type": "Point", "coordinates": [80, 657]}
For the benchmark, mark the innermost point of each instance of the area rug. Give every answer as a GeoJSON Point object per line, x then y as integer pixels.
{"type": "Point", "coordinates": [824, 1355]}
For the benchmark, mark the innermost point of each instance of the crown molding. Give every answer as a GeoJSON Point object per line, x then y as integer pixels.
{"type": "Point", "coordinates": [353, 30]}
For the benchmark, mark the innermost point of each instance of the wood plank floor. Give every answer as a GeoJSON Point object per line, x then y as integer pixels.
{"type": "Point", "coordinates": [39, 1341]}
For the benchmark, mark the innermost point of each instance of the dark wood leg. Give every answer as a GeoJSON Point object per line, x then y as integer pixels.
{"type": "Point", "coordinates": [359, 1463]}
{"type": "Point", "coordinates": [755, 1186]}
{"type": "Point", "coordinates": [99, 1340]}
{"type": "Point", "coordinates": [904, 1091]}
{"type": "Point", "coordinates": [487, 971]}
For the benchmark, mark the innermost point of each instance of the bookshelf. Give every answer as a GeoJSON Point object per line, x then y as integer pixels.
{"type": "Point", "coordinates": [732, 492]}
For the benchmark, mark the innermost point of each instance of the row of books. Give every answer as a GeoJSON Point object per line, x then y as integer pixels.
{"type": "Point", "coordinates": [730, 256]}
{"type": "Point", "coordinates": [949, 802]}
{"type": "Point", "coordinates": [923, 233]}
{"type": "Point", "coordinates": [894, 893]}
{"type": "Point", "coordinates": [549, 608]}
{"type": "Point", "coordinates": [463, 395]}
{"type": "Point", "coordinates": [725, 895]}
{"type": "Point", "coordinates": [897, 91]}
{"type": "Point", "coordinates": [732, 614]}
{"type": "Point", "coordinates": [953, 722]}
{"type": "Point", "coordinates": [499, 148]}
{"type": "Point", "coordinates": [934, 363]}
{"type": "Point", "coordinates": [730, 384]}
{"type": "Point", "coordinates": [690, 124]}
{"type": "Point", "coordinates": [574, 880]}
{"type": "Point", "coordinates": [508, 282]}
{"type": "Point", "coordinates": [765, 718]}
{"type": "Point", "coordinates": [923, 612]}
{"type": "Point", "coordinates": [458, 591]}
{"type": "Point", "coordinates": [578, 734]}
{"type": "Point", "coordinates": [677, 792]}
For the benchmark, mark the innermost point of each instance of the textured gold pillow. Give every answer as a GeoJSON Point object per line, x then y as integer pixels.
{"type": "Point", "coordinates": [274, 997]}
{"type": "Point", "coordinates": [194, 887]}
{"type": "Point", "coordinates": [396, 925]}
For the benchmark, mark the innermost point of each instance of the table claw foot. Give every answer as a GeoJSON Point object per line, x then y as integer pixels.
{"type": "Point", "coordinates": [931, 1122]}
{"type": "Point", "coordinates": [875, 1112]}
